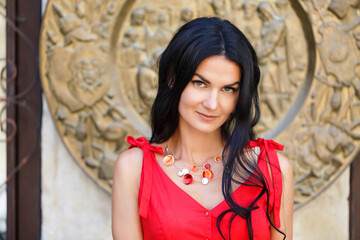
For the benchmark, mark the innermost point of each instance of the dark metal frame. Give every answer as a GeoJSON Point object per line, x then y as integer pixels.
{"type": "Point", "coordinates": [24, 107]}
{"type": "Point", "coordinates": [354, 199]}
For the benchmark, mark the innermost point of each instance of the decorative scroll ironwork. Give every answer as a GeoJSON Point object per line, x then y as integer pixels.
{"type": "Point", "coordinates": [8, 126]}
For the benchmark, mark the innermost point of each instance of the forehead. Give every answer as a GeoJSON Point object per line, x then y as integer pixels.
{"type": "Point", "coordinates": [219, 69]}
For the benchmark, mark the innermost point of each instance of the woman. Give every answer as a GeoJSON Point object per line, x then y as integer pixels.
{"type": "Point", "coordinates": [201, 176]}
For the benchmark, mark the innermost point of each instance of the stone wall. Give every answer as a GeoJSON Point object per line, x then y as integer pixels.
{"type": "Point", "coordinates": [73, 206]}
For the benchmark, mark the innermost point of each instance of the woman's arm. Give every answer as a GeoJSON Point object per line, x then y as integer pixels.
{"type": "Point", "coordinates": [126, 222]}
{"type": "Point", "coordinates": [287, 201]}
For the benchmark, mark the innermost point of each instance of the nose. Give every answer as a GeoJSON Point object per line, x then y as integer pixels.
{"type": "Point", "coordinates": [212, 100]}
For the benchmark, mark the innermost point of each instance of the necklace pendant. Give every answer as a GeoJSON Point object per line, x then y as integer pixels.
{"type": "Point", "coordinates": [207, 173]}
{"type": "Point", "coordinates": [188, 179]}
{"type": "Point", "coordinates": [180, 173]}
{"type": "Point", "coordinates": [185, 171]}
{"type": "Point", "coordinates": [168, 160]}
{"type": "Point", "coordinates": [207, 166]}
{"type": "Point", "coordinates": [204, 181]}
{"type": "Point", "coordinates": [194, 168]}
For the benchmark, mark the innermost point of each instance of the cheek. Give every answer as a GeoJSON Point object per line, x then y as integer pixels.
{"type": "Point", "coordinates": [185, 101]}
{"type": "Point", "coordinates": [230, 105]}
{"type": "Point", "coordinates": [189, 98]}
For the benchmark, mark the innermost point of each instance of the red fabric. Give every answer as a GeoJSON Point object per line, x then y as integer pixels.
{"type": "Point", "coordinates": [167, 212]}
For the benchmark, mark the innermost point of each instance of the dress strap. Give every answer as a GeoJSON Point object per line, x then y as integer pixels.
{"type": "Point", "coordinates": [147, 170]}
{"type": "Point", "coordinates": [268, 148]}
{"type": "Point", "coordinates": [143, 144]}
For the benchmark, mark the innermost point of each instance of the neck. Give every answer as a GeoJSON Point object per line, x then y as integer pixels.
{"type": "Point", "coordinates": [195, 147]}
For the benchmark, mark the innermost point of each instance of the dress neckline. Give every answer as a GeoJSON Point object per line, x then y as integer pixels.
{"type": "Point", "coordinates": [179, 189]}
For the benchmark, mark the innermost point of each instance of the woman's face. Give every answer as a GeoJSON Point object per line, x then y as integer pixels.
{"type": "Point", "coordinates": [211, 95]}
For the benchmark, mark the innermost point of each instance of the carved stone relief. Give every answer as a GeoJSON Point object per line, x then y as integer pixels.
{"type": "Point", "coordinates": [98, 64]}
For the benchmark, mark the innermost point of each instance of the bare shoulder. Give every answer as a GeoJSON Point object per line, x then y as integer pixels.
{"type": "Point", "coordinates": [287, 200]}
{"type": "Point", "coordinates": [285, 164]}
{"type": "Point", "coordinates": [286, 168]}
{"type": "Point", "coordinates": [131, 157]}
{"type": "Point", "coordinates": [129, 164]}
{"type": "Point", "coordinates": [126, 181]}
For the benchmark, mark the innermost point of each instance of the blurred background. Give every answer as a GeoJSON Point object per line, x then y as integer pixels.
{"type": "Point", "coordinates": [78, 76]}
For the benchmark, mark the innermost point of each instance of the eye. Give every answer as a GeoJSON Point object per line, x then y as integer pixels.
{"type": "Point", "coordinates": [198, 83]}
{"type": "Point", "coordinates": [229, 89]}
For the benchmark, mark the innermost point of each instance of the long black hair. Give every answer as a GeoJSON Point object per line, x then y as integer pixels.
{"type": "Point", "coordinates": [192, 43]}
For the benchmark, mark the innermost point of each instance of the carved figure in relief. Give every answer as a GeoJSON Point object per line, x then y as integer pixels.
{"type": "Point", "coordinates": [306, 164]}
{"type": "Point", "coordinates": [317, 156]}
{"type": "Point", "coordinates": [331, 137]}
{"type": "Point", "coordinates": [338, 49]}
{"type": "Point", "coordinates": [74, 27]}
{"type": "Point", "coordinates": [272, 57]}
{"type": "Point", "coordinates": [89, 124]}
{"type": "Point", "coordinates": [219, 8]}
{"type": "Point", "coordinates": [58, 77]}
{"type": "Point", "coordinates": [347, 13]}
{"type": "Point", "coordinates": [147, 81]}
{"type": "Point", "coordinates": [137, 20]}
{"type": "Point", "coordinates": [88, 86]}
{"type": "Point", "coordinates": [101, 26]}
{"type": "Point", "coordinates": [151, 20]}
{"type": "Point", "coordinates": [131, 40]}
{"type": "Point", "coordinates": [163, 33]}
{"type": "Point", "coordinates": [235, 14]}
{"type": "Point", "coordinates": [251, 24]}
{"type": "Point", "coordinates": [236, 5]}
{"type": "Point", "coordinates": [129, 57]}
{"type": "Point", "coordinates": [186, 15]}
{"type": "Point", "coordinates": [87, 71]}
{"type": "Point", "coordinates": [325, 149]}
{"type": "Point", "coordinates": [294, 44]}
{"type": "Point", "coordinates": [339, 54]}
{"type": "Point", "coordinates": [137, 17]}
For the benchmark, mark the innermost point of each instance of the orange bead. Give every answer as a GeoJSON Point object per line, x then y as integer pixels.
{"type": "Point", "coordinates": [217, 159]}
{"type": "Point", "coordinates": [194, 168]}
{"type": "Point", "coordinates": [207, 173]}
{"type": "Point", "coordinates": [168, 160]}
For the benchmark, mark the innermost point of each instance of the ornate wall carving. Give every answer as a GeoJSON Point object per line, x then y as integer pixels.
{"type": "Point", "coordinates": [98, 69]}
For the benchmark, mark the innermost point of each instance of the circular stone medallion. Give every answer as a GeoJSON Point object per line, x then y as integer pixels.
{"type": "Point", "coordinates": [98, 71]}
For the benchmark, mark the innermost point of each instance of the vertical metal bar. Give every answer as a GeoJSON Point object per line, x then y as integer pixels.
{"type": "Point", "coordinates": [354, 199]}
{"type": "Point", "coordinates": [11, 114]}
{"type": "Point", "coordinates": [25, 108]}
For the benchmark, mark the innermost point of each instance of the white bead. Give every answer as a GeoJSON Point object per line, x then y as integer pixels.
{"type": "Point", "coordinates": [180, 173]}
{"type": "Point", "coordinates": [185, 171]}
{"type": "Point", "coordinates": [204, 181]}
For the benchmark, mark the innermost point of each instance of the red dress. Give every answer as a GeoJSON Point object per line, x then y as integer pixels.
{"type": "Point", "coordinates": [167, 212]}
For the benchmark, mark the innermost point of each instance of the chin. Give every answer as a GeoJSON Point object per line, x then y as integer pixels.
{"type": "Point", "coordinates": [207, 128]}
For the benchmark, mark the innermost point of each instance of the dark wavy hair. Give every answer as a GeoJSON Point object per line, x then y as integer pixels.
{"type": "Point", "coordinates": [192, 43]}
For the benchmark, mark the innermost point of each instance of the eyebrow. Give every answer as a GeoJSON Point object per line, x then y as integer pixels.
{"type": "Point", "coordinates": [207, 81]}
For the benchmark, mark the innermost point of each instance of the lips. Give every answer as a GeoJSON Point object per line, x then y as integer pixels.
{"type": "Point", "coordinates": [206, 117]}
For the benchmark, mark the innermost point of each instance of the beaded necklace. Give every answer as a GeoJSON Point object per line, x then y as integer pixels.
{"type": "Point", "coordinates": [185, 173]}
